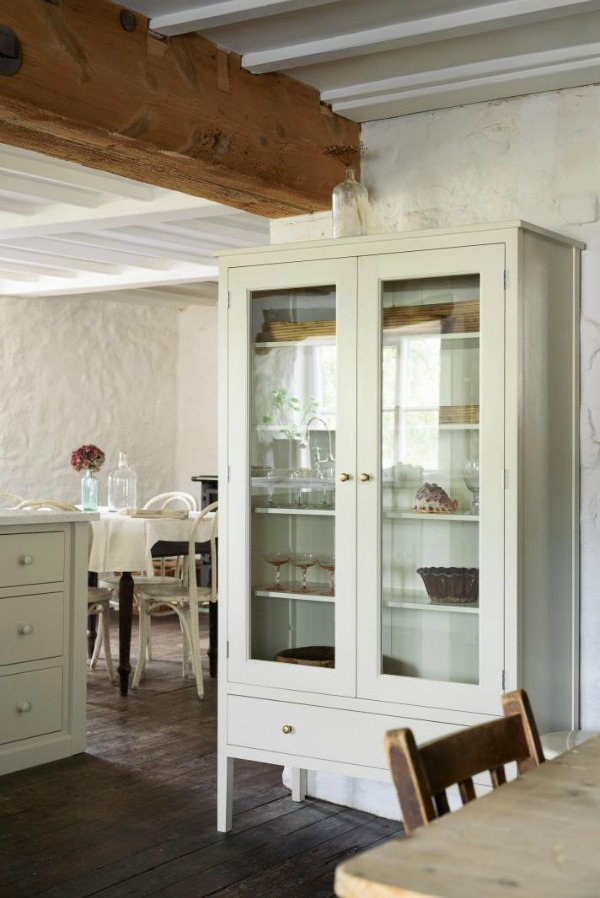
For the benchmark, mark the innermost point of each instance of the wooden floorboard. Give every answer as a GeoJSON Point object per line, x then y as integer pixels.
{"type": "Point", "coordinates": [135, 815]}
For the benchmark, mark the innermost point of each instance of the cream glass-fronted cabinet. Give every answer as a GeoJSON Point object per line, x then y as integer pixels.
{"type": "Point", "coordinates": [398, 517]}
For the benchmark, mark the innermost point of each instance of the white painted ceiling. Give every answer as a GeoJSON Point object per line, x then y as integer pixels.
{"type": "Point", "coordinates": [66, 229]}
{"type": "Point", "coordinates": [373, 59]}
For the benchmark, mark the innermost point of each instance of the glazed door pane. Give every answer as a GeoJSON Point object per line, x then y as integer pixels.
{"type": "Point", "coordinates": [292, 361]}
{"type": "Point", "coordinates": [293, 384]}
{"type": "Point", "coordinates": [430, 400]}
{"type": "Point", "coordinates": [432, 446]}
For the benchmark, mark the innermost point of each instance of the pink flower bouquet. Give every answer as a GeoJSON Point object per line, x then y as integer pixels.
{"type": "Point", "coordinates": [87, 458]}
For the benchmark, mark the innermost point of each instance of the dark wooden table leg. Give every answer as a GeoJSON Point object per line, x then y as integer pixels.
{"type": "Point", "coordinates": [92, 621]}
{"type": "Point", "coordinates": [213, 638]}
{"type": "Point", "coordinates": [125, 618]}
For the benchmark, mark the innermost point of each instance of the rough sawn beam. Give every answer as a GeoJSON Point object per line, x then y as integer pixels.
{"type": "Point", "coordinates": [175, 112]}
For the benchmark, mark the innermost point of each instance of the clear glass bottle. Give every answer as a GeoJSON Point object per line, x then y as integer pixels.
{"type": "Point", "coordinates": [122, 486]}
{"type": "Point", "coordinates": [350, 207]}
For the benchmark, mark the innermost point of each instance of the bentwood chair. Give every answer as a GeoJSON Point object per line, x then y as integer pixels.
{"type": "Point", "coordinates": [184, 600]}
{"type": "Point", "coordinates": [171, 554]}
{"type": "Point", "coordinates": [98, 597]}
{"type": "Point", "coordinates": [422, 774]}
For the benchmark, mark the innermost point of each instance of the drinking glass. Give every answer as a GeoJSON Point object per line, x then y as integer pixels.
{"type": "Point", "coordinates": [277, 559]}
{"type": "Point", "coordinates": [471, 478]}
{"type": "Point", "coordinates": [328, 562]}
{"type": "Point", "coordinates": [303, 562]}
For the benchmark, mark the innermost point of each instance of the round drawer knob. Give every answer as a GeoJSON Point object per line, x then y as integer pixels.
{"type": "Point", "coordinates": [287, 729]}
{"type": "Point", "coordinates": [364, 477]}
{"type": "Point", "coordinates": [23, 707]}
{"type": "Point", "coordinates": [25, 559]}
{"type": "Point", "coordinates": [25, 629]}
{"type": "Point", "coordinates": [344, 477]}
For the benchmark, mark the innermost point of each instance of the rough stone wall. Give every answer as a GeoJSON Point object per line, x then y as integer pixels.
{"type": "Point", "coordinates": [80, 370]}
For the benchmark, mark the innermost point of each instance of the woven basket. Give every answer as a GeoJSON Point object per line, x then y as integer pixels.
{"type": "Point", "coordinates": [457, 585]}
{"type": "Point", "coordinates": [313, 655]}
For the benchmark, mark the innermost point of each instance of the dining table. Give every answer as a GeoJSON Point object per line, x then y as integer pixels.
{"type": "Point", "coordinates": [122, 542]}
{"type": "Point", "coordinates": [538, 836]}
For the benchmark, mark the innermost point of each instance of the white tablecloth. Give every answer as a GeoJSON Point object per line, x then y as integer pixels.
{"type": "Point", "coordinates": [123, 543]}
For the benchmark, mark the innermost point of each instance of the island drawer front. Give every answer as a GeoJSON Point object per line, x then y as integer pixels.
{"type": "Point", "coordinates": [28, 558]}
{"type": "Point", "coordinates": [329, 733]}
{"type": "Point", "coordinates": [31, 627]}
{"type": "Point", "coordinates": [31, 704]}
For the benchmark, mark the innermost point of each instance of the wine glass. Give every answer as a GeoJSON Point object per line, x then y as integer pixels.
{"type": "Point", "coordinates": [304, 561]}
{"type": "Point", "coordinates": [328, 562]}
{"type": "Point", "coordinates": [277, 559]}
{"type": "Point", "coordinates": [471, 478]}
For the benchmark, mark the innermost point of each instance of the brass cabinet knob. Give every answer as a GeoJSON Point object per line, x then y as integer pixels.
{"type": "Point", "coordinates": [286, 728]}
{"type": "Point", "coordinates": [344, 477]}
{"type": "Point", "coordinates": [364, 477]}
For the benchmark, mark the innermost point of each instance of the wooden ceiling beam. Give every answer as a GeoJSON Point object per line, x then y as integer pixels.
{"type": "Point", "coordinates": [174, 112]}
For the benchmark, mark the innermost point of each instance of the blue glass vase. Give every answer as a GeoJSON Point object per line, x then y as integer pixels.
{"type": "Point", "coordinates": [89, 491]}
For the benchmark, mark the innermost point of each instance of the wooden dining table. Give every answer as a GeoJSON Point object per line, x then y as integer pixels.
{"type": "Point", "coordinates": [124, 543]}
{"type": "Point", "coordinates": [535, 837]}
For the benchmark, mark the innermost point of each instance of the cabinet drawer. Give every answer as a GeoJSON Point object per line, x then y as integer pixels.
{"type": "Point", "coordinates": [332, 734]}
{"type": "Point", "coordinates": [31, 627]}
{"type": "Point", "coordinates": [31, 704]}
{"type": "Point", "coordinates": [27, 558]}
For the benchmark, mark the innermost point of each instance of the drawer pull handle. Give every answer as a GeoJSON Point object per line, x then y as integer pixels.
{"type": "Point", "coordinates": [25, 630]}
{"type": "Point", "coordinates": [23, 707]}
{"type": "Point", "coordinates": [25, 559]}
{"type": "Point", "coordinates": [344, 477]}
{"type": "Point", "coordinates": [287, 729]}
{"type": "Point", "coordinates": [364, 477]}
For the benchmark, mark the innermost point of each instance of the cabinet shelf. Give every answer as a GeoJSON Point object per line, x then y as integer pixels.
{"type": "Point", "coordinates": [288, 593]}
{"type": "Point", "coordinates": [453, 341]}
{"type": "Point", "coordinates": [294, 510]}
{"type": "Point", "coordinates": [420, 601]}
{"type": "Point", "coordinates": [424, 516]}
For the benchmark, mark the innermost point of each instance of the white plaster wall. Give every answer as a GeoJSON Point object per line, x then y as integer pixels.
{"type": "Point", "coordinates": [535, 158]}
{"type": "Point", "coordinates": [80, 370]}
{"type": "Point", "coordinates": [197, 399]}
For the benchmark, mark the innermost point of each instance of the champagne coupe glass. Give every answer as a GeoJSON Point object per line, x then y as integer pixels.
{"type": "Point", "coordinates": [471, 478]}
{"type": "Point", "coordinates": [328, 562]}
{"type": "Point", "coordinates": [277, 559]}
{"type": "Point", "coordinates": [304, 561]}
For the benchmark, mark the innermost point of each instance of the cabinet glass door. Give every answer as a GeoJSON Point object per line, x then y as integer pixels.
{"type": "Point", "coordinates": [294, 383]}
{"type": "Point", "coordinates": [430, 401]}
{"type": "Point", "coordinates": [440, 417]}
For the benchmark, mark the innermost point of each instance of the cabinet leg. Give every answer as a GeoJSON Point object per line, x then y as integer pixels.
{"type": "Point", "coordinates": [224, 794]}
{"type": "Point", "coordinates": [298, 784]}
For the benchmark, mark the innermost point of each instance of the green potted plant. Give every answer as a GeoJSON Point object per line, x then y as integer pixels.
{"type": "Point", "coordinates": [288, 420]}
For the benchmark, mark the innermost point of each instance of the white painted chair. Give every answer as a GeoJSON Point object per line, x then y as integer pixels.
{"type": "Point", "coordinates": [98, 597]}
{"type": "Point", "coordinates": [184, 600]}
{"type": "Point", "coordinates": [170, 500]}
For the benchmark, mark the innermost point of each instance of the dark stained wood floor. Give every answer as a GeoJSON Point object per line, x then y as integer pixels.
{"type": "Point", "coordinates": [135, 815]}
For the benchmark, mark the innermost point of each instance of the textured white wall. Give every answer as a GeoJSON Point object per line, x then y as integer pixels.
{"type": "Point", "coordinates": [535, 158]}
{"type": "Point", "coordinates": [82, 370]}
{"type": "Point", "coordinates": [197, 398]}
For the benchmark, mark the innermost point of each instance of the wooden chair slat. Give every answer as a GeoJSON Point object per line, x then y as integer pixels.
{"type": "Point", "coordinates": [423, 774]}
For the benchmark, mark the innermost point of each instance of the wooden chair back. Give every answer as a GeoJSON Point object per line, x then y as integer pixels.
{"type": "Point", "coordinates": [423, 774]}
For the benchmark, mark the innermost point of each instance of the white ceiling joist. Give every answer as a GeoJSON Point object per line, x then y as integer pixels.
{"type": "Point", "coordinates": [26, 163]}
{"type": "Point", "coordinates": [213, 15]}
{"type": "Point", "coordinates": [415, 31]}
{"type": "Point", "coordinates": [459, 75]}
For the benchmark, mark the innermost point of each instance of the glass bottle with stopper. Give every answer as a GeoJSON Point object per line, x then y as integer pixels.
{"type": "Point", "coordinates": [122, 486]}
